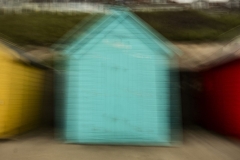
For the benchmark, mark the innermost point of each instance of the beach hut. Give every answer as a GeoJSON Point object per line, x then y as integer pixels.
{"type": "Point", "coordinates": [218, 87]}
{"type": "Point", "coordinates": [21, 91]}
{"type": "Point", "coordinates": [116, 83]}
{"type": "Point", "coordinates": [221, 93]}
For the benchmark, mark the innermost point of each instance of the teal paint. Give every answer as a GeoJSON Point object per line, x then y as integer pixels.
{"type": "Point", "coordinates": [118, 85]}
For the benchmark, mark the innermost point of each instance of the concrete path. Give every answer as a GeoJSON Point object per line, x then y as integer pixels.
{"type": "Point", "coordinates": [197, 145]}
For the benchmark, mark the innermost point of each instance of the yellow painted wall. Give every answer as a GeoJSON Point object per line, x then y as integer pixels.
{"type": "Point", "coordinates": [21, 92]}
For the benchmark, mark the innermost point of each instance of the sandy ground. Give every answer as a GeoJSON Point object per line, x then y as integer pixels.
{"type": "Point", "coordinates": [197, 145]}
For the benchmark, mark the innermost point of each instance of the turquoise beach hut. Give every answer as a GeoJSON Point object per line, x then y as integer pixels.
{"type": "Point", "coordinates": [116, 84]}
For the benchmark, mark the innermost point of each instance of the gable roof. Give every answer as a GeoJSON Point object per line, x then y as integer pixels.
{"type": "Point", "coordinates": [205, 56]}
{"type": "Point", "coordinates": [89, 29]}
{"type": "Point", "coordinates": [79, 29]}
{"type": "Point", "coordinates": [16, 52]}
{"type": "Point", "coordinates": [11, 50]}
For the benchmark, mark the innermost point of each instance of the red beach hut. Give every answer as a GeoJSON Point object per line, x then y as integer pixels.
{"type": "Point", "coordinates": [219, 73]}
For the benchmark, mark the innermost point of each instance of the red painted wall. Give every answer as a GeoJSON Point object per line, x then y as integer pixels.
{"type": "Point", "coordinates": [220, 110]}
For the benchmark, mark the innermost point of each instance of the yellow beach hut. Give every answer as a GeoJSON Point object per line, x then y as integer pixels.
{"type": "Point", "coordinates": [21, 92]}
